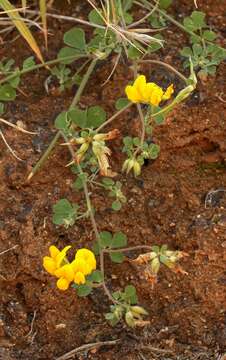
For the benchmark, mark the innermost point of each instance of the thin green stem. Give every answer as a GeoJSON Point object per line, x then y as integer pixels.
{"type": "Point", "coordinates": [140, 115]}
{"type": "Point", "coordinates": [168, 66]}
{"type": "Point", "coordinates": [44, 156]}
{"type": "Point", "coordinates": [113, 117]}
{"type": "Point", "coordinates": [56, 137]}
{"type": "Point", "coordinates": [84, 82]}
{"type": "Point", "coordinates": [92, 218]}
{"type": "Point", "coordinates": [39, 66]}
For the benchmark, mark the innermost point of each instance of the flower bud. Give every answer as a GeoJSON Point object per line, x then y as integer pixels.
{"type": "Point", "coordinates": [136, 168]}
{"type": "Point", "coordinates": [79, 140]}
{"type": "Point", "coordinates": [129, 319]}
{"type": "Point", "coordinates": [138, 310]}
{"type": "Point", "coordinates": [155, 265]}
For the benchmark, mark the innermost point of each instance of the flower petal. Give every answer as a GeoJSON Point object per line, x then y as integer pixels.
{"type": "Point", "coordinates": [53, 251]}
{"type": "Point", "coordinates": [79, 278]}
{"type": "Point", "coordinates": [49, 265]}
{"type": "Point", "coordinates": [169, 91]}
{"type": "Point", "coordinates": [132, 94]}
{"type": "Point", "coordinates": [88, 256]}
{"type": "Point", "coordinates": [60, 257]}
{"type": "Point", "coordinates": [62, 284]}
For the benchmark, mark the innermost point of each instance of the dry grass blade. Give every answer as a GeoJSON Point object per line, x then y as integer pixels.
{"type": "Point", "coordinates": [42, 6]}
{"type": "Point", "coordinates": [21, 26]}
{"type": "Point", "coordinates": [24, 4]}
{"type": "Point", "coordinates": [8, 147]}
{"type": "Point", "coordinates": [17, 127]}
{"type": "Point", "coordinates": [87, 347]}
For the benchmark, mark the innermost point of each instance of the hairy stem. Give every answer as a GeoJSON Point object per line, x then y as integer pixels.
{"type": "Point", "coordinates": [113, 117]}
{"type": "Point", "coordinates": [168, 66]}
{"type": "Point", "coordinates": [39, 66]}
{"type": "Point", "coordinates": [56, 137]}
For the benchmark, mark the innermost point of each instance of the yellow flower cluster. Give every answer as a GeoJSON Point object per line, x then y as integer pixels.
{"type": "Point", "coordinates": [57, 264]}
{"type": "Point", "coordinates": [147, 93]}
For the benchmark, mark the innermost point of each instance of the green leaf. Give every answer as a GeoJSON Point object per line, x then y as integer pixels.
{"type": "Point", "coordinates": [96, 276]}
{"type": "Point", "coordinates": [67, 51]}
{"type": "Point", "coordinates": [96, 116]}
{"type": "Point", "coordinates": [7, 93]}
{"type": "Point", "coordinates": [119, 240]}
{"type": "Point", "coordinates": [188, 24]}
{"type": "Point", "coordinates": [198, 18]}
{"type": "Point", "coordinates": [105, 239]}
{"type": "Point", "coordinates": [61, 121]}
{"type": "Point", "coordinates": [134, 53]}
{"type": "Point", "coordinates": [94, 17]}
{"type": "Point", "coordinates": [28, 63]}
{"type": "Point", "coordinates": [96, 248]}
{"type": "Point", "coordinates": [78, 184]}
{"type": "Point", "coordinates": [116, 205]}
{"type": "Point", "coordinates": [108, 182]}
{"type": "Point", "coordinates": [127, 4]}
{"type": "Point", "coordinates": [155, 46]}
{"type": "Point", "coordinates": [154, 150]}
{"type": "Point", "coordinates": [84, 290]}
{"type": "Point", "coordinates": [14, 82]}
{"type": "Point", "coordinates": [131, 294]}
{"type": "Point", "coordinates": [209, 35]}
{"type": "Point", "coordinates": [128, 18]}
{"type": "Point", "coordinates": [186, 51]}
{"type": "Point", "coordinates": [121, 103]}
{"type": "Point", "coordinates": [75, 38]}
{"type": "Point", "coordinates": [155, 248]}
{"type": "Point", "coordinates": [164, 4]}
{"type": "Point", "coordinates": [159, 119]}
{"type": "Point", "coordinates": [117, 257]}
{"type": "Point", "coordinates": [197, 49]}
{"type": "Point", "coordinates": [78, 117]}
{"type": "Point", "coordinates": [1, 108]}
{"type": "Point", "coordinates": [64, 213]}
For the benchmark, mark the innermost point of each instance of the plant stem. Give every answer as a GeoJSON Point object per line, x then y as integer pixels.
{"type": "Point", "coordinates": [77, 96]}
{"type": "Point", "coordinates": [113, 117]}
{"type": "Point", "coordinates": [39, 66]}
{"type": "Point", "coordinates": [44, 156]}
{"type": "Point", "coordinates": [84, 82]}
{"type": "Point", "coordinates": [131, 248]}
{"type": "Point", "coordinates": [141, 116]}
{"type": "Point", "coordinates": [92, 218]}
{"type": "Point", "coordinates": [168, 66]}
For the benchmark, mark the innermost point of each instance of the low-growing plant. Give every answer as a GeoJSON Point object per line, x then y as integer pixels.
{"type": "Point", "coordinates": [82, 128]}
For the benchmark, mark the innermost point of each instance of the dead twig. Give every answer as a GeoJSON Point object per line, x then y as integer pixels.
{"type": "Point", "coordinates": [31, 335]}
{"type": "Point", "coordinates": [5, 251]}
{"type": "Point", "coordinates": [87, 347]}
{"type": "Point", "coordinates": [156, 350]}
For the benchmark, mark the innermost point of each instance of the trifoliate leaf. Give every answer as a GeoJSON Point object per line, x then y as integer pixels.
{"type": "Point", "coordinates": [105, 239]}
{"type": "Point", "coordinates": [7, 93]}
{"type": "Point", "coordinates": [117, 257]}
{"type": "Point", "coordinates": [116, 205]}
{"type": "Point", "coordinates": [78, 117]}
{"type": "Point", "coordinates": [121, 103]}
{"type": "Point", "coordinates": [96, 116]}
{"type": "Point", "coordinates": [84, 290]}
{"type": "Point", "coordinates": [119, 240]}
{"type": "Point", "coordinates": [68, 52]}
{"type": "Point", "coordinates": [75, 38]}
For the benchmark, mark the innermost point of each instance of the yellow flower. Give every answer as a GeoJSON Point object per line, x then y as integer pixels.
{"type": "Point", "coordinates": [167, 94]}
{"type": "Point", "coordinates": [56, 264]}
{"type": "Point", "coordinates": [66, 275]}
{"type": "Point", "coordinates": [147, 93]}
{"type": "Point", "coordinates": [79, 278]}
{"type": "Point", "coordinates": [87, 256]}
{"type": "Point", "coordinates": [53, 262]}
